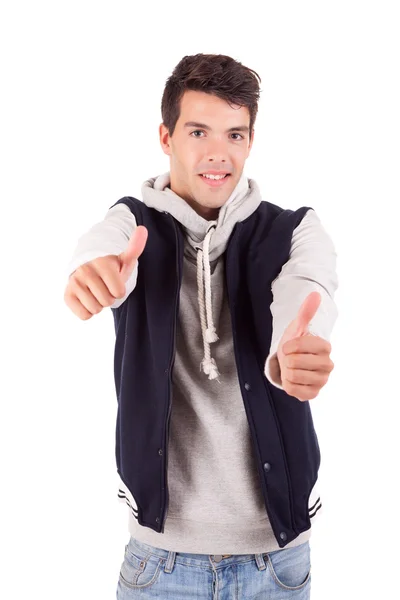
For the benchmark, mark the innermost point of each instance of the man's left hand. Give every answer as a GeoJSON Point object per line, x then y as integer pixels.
{"type": "Point", "coordinates": [304, 358]}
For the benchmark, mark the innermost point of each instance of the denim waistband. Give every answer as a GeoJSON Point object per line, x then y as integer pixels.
{"type": "Point", "coordinates": [188, 559]}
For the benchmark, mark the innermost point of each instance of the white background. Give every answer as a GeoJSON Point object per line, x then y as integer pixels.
{"type": "Point", "coordinates": [81, 86]}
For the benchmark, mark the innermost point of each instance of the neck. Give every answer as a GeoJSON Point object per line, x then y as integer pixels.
{"type": "Point", "coordinates": [208, 213]}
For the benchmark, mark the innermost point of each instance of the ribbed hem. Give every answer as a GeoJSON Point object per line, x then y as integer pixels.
{"type": "Point", "coordinates": [211, 538]}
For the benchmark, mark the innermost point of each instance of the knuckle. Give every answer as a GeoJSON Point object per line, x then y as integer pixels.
{"type": "Point", "coordinates": [85, 268]}
{"type": "Point", "coordinates": [304, 376]}
{"type": "Point", "coordinates": [289, 388]}
{"type": "Point", "coordinates": [298, 376]}
{"type": "Point", "coordinates": [120, 293]}
{"type": "Point", "coordinates": [289, 375]}
{"type": "Point", "coordinates": [89, 270]}
{"type": "Point", "coordinates": [86, 317]}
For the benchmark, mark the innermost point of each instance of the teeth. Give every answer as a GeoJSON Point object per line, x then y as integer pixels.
{"type": "Point", "coordinates": [214, 176]}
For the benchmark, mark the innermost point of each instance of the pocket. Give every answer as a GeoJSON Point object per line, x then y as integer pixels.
{"type": "Point", "coordinates": [290, 568]}
{"type": "Point", "coordinates": [139, 571]}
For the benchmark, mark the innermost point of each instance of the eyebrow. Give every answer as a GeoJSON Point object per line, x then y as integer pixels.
{"type": "Point", "coordinates": [204, 126]}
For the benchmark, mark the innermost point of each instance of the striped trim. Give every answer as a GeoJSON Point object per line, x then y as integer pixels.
{"type": "Point", "coordinates": [313, 511]}
{"type": "Point", "coordinates": [122, 496]}
{"type": "Point", "coordinates": [314, 503]}
{"type": "Point", "coordinates": [126, 497]}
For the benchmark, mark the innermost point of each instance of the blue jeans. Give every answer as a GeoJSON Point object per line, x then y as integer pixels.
{"type": "Point", "coordinates": [149, 572]}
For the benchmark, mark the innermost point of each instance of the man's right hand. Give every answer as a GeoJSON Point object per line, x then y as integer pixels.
{"type": "Point", "coordinates": [99, 282]}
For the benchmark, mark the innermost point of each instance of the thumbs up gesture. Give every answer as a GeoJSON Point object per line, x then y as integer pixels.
{"type": "Point", "coordinates": [135, 247]}
{"type": "Point", "coordinates": [99, 282]}
{"type": "Point", "coordinates": [303, 357]}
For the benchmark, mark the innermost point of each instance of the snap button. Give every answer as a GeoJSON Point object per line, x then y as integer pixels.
{"type": "Point", "coordinates": [267, 467]}
{"type": "Point", "coordinates": [283, 535]}
{"type": "Point", "coordinates": [217, 557]}
{"type": "Point", "coordinates": [247, 386]}
{"type": "Point", "coordinates": [157, 519]}
{"type": "Point", "coordinates": [160, 452]}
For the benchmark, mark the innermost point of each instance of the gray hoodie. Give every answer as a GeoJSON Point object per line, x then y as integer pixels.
{"type": "Point", "coordinates": [215, 500]}
{"type": "Point", "coordinates": [205, 243]}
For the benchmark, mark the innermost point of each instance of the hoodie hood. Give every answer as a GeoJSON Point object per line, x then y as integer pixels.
{"type": "Point", "coordinates": [243, 201]}
{"type": "Point", "coordinates": [206, 241]}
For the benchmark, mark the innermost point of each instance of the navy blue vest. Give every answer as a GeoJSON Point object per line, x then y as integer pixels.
{"type": "Point", "coordinates": [284, 440]}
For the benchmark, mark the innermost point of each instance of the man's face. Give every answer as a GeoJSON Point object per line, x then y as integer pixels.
{"type": "Point", "coordinates": [209, 135]}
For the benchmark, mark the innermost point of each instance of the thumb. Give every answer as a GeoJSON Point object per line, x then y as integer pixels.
{"type": "Point", "coordinates": [132, 252]}
{"type": "Point", "coordinates": [306, 312]}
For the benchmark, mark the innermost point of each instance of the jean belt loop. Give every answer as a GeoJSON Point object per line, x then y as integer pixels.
{"type": "Point", "coordinates": [169, 565]}
{"type": "Point", "coordinates": [260, 562]}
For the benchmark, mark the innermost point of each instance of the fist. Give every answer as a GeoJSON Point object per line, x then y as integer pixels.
{"type": "Point", "coordinates": [304, 359]}
{"type": "Point", "coordinates": [99, 282]}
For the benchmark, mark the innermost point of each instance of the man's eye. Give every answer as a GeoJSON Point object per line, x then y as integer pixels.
{"type": "Point", "coordinates": [201, 131]}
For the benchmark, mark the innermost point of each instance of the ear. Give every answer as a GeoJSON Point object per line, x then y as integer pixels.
{"type": "Point", "coordinates": [164, 139]}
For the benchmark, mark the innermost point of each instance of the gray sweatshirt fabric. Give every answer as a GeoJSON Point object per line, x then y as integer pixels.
{"type": "Point", "coordinates": [216, 504]}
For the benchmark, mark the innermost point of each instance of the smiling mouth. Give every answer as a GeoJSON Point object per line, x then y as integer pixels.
{"type": "Point", "coordinates": [214, 175]}
{"type": "Point", "coordinates": [215, 182]}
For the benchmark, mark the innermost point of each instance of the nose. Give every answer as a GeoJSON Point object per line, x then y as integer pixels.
{"type": "Point", "coordinates": [216, 151]}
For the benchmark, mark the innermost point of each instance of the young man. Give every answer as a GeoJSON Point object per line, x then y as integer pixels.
{"type": "Point", "coordinates": [223, 307]}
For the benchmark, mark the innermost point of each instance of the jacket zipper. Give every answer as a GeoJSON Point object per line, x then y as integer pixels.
{"type": "Point", "coordinates": [172, 360]}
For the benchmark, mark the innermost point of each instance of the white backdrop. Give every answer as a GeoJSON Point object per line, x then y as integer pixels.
{"type": "Point", "coordinates": [81, 86]}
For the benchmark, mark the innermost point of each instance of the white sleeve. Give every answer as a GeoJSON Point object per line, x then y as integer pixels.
{"type": "Point", "coordinates": [110, 236]}
{"type": "Point", "coordinates": [311, 267]}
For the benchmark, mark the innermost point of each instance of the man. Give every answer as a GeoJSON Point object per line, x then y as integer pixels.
{"type": "Point", "coordinates": [223, 307]}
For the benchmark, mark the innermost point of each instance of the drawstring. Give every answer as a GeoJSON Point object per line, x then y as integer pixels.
{"type": "Point", "coordinates": [207, 326]}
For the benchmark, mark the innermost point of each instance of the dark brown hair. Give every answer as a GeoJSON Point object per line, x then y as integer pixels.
{"type": "Point", "coordinates": [214, 74]}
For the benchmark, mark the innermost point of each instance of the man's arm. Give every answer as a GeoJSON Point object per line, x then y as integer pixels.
{"type": "Point", "coordinates": [311, 267]}
{"type": "Point", "coordinates": [110, 236]}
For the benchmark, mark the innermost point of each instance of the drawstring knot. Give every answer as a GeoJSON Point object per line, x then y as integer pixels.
{"type": "Point", "coordinates": [210, 368]}
{"type": "Point", "coordinates": [211, 335]}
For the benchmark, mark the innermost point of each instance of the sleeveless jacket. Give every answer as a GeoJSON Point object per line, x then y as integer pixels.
{"type": "Point", "coordinates": [284, 440]}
